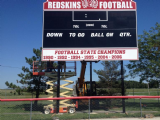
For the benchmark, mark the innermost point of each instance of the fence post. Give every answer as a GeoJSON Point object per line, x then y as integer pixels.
{"type": "Point", "coordinates": [89, 109]}
{"type": "Point", "coordinates": [5, 97]}
{"type": "Point", "coordinates": [31, 111]}
{"type": "Point", "coordinates": [140, 107]}
{"type": "Point", "coordinates": [158, 95]}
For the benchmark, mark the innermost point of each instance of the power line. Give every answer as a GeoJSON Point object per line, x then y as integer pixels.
{"type": "Point", "coordinates": [10, 67]}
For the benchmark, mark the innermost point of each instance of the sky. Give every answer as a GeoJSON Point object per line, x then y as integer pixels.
{"type": "Point", "coordinates": [21, 31]}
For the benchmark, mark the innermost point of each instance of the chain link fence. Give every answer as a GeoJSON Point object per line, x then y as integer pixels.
{"type": "Point", "coordinates": [94, 107]}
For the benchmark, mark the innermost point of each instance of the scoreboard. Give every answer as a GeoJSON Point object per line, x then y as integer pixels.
{"type": "Point", "coordinates": [89, 30]}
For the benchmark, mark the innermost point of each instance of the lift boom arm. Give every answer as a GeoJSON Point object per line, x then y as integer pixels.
{"type": "Point", "coordinates": [81, 78]}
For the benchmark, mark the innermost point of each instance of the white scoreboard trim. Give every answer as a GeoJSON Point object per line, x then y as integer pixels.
{"type": "Point", "coordinates": [93, 54]}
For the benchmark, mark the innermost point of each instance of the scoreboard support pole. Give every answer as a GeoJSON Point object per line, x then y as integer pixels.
{"type": "Point", "coordinates": [58, 88]}
{"type": "Point", "coordinates": [122, 83]}
{"type": "Point", "coordinates": [91, 87]}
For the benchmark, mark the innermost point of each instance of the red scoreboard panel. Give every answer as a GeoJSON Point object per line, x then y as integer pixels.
{"type": "Point", "coordinates": [89, 30]}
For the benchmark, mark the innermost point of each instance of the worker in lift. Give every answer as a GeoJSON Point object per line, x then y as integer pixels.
{"type": "Point", "coordinates": [49, 66]}
{"type": "Point", "coordinates": [62, 65]}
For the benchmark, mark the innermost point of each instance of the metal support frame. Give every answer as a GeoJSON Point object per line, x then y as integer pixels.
{"type": "Point", "coordinates": [91, 87]}
{"type": "Point", "coordinates": [140, 107]}
{"type": "Point", "coordinates": [55, 77]}
{"type": "Point", "coordinates": [89, 108]}
{"type": "Point", "coordinates": [58, 87]}
{"type": "Point", "coordinates": [133, 91]}
{"type": "Point", "coordinates": [31, 111]}
{"type": "Point", "coordinates": [122, 82]}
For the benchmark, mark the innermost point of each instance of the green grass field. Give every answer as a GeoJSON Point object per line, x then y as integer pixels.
{"type": "Point", "coordinates": [8, 95]}
{"type": "Point", "coordinates": [112, 109]}
{"type": "Point", "coordinates": [71, 116]}
{"type": "Point", "coordinates": [21, 110]}
{"type": "Point", "coordinates": [152, 92]}
{"type": "Point", "coordinates": [143, 90]}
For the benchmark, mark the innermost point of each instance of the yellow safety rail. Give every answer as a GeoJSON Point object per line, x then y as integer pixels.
{"type": "Point", "coordinates": [67, 90]}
